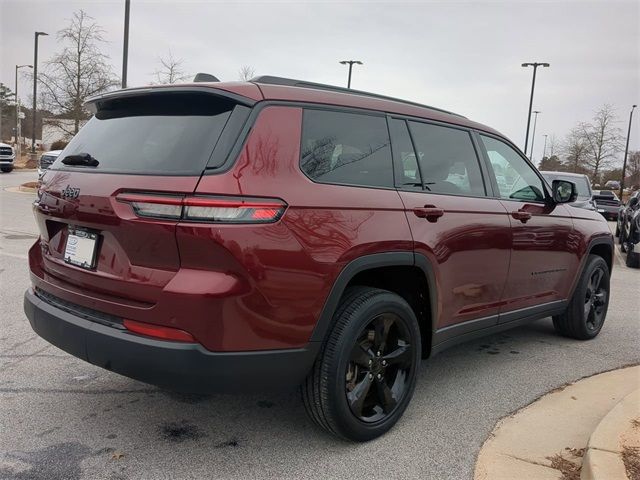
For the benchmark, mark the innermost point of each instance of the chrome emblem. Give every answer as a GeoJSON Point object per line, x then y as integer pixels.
{"type": "Point", "coordinates": [70, 192]}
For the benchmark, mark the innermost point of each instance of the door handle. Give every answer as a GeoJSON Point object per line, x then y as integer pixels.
{"type": "Point", "coordinates": [430, 212]}
{"type": "Point", "coordinates": [521, 215]}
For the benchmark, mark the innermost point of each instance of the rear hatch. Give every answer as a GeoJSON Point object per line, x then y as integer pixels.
{"type": "Point", "coordinates": [95, 251]}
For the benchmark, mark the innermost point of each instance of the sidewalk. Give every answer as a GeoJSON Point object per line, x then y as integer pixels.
{"type": "Point", "coordinates": [598, 416]}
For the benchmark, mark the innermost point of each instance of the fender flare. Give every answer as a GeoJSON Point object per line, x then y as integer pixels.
{"type": "Point", "coordinates": [599, 240]}
{"type": "Point", "coordinates": [368, 262]}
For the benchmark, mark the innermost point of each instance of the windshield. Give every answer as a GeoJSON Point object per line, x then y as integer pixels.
{"type": "Point", "coordinates": [582, 186]}
{"type": "Point", "coordinates": [153, 134]}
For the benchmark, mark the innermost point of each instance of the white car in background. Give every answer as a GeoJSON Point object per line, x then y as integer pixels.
{"type": "Point", "coordinates": [7, 156]}
{"type": "Point", "coordinates": [46, 159]}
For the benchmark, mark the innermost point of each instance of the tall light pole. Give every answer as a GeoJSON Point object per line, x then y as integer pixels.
{"type": "Point", "coordinates": [350, 63]}
{"type": "Point", "coordinates": [125, 48]}
{"type": "Point", "coordinates": [535, 66]}
{"type": "Point", "coordinates": [18, 129]}
{"type": "Point", "coordinates": [626, 151]}
{"type": "Point", "coordinates": [544, 149]}
{"type": "Point", "coordinates": [533, 136]}
{"type": "Point", "coordinates": [35, 92]}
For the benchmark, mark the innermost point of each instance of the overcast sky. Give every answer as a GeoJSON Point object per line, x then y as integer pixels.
{"type": "Point", "coordinates": [461, 56]}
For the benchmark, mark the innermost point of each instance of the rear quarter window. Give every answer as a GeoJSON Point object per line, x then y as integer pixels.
{"type": "Point", "coordinates": [346, 148]}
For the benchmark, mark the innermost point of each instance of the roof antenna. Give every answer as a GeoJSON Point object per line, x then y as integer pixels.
{"type": "Point", "coordinates": [205, 77]}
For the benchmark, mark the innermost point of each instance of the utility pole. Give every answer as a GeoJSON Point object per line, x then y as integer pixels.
{"type": "Point", "coordinates": [535, 66]}
{"type": "Point", "coordinates": [533, 136]}
{"type": "Point", "coordinates": [350, 63]}
{"type": "Point", "coordinates": [544, 149]}
{"type": "Point", "coordinates": [125, 48]}
{"type": "Point", "coordinates": [626, 152]}
{"type": "Point", "coordinates": [18, 120]}
{"type": "Point", "coordinates": [35, 93]}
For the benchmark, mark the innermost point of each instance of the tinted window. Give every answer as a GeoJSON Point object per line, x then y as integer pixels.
{"type": "Point", "coordinates": [448, 161]}
{"type": "Point", "coordinates": [582, 186]}
{"type": "Point", "coordinates": [516, 179]}
{"type": "Point", "coordinates": [406, 165]}
{"type": "Point", "coordinates": [346, 148]}
{"type": "Point", "coordinates": [161, 133]}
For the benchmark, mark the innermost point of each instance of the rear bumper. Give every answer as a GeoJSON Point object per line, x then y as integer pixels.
{"type": "Point", "coordinates": [173, 365]}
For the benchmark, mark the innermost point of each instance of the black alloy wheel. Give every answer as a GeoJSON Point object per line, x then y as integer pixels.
{"type": "Point", "coordinates": [379, 368]}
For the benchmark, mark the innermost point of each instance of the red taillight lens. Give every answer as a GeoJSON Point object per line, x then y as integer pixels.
{"type": "Point", "coordinates": [205, 209]}
{"type": "Point", "coordinates": [157, 331]}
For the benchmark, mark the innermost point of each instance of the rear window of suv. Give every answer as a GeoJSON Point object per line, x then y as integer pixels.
{"type": "Point", "coordinates": [163, 133]}
{"type": "Point", "coordinates": [346, 148]}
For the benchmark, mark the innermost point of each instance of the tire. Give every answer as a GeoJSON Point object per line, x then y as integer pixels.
{"type": "Point", "coordinates": [633, 258]}
{"type": "Point", "coordinates": [6, 169]}
{"type": "Point", "coordinates": [584, 317]}
{"type": "Point", "coordinates": [350, 363]}
{"type": "Point", "coordinates": [617, 230]}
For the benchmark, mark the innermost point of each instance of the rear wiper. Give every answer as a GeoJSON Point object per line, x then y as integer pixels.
{"type": "Point", "coordinates": [83, 159]}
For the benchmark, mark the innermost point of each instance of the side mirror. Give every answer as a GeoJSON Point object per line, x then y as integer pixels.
{"type": "Point", "coordinates": [563, 191]}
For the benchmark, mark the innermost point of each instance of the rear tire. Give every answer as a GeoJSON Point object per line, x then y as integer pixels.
{"type": "Point", "coordinates": [584, 317]}
{"type": "Point", "coordinates": [633, 258]}
{"type": "Point", "coordinates": [365, 374]}
{"type": "Point", "coordinates": [6, 169]}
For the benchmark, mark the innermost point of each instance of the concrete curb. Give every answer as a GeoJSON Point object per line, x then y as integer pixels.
{"type": "Point", "coordinates": [547, 439]}
{"type": "Point", "coordinates": [602, 460]}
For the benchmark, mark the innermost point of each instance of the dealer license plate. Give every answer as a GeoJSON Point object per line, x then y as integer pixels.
{"type": "Point", "coordinates": [81, 248]}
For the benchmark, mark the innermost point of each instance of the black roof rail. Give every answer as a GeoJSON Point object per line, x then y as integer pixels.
{"type": "Point", "coordinates": [290, 82]}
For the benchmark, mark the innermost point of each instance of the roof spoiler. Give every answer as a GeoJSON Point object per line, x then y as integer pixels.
{"type": "Point", "coordinates": [205, 77]}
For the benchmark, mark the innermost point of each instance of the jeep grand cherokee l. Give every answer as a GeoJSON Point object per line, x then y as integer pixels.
{"type": "Point", "coordinates": [245, 236]}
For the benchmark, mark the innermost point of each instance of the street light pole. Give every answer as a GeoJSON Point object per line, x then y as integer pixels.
{"type": "Point", "coordinates": [544, 149]}
{"type": "Point", "coordinates": [626, 151]}
{"type": "Point", "coordinates": [350, 63]}
{"type": "Point", "coordinates": [533, 136]}
{"type": "Point", "coordinates": [535, 66]}
{"type": "Point", "coordinates": [18, 129]}
{"type": "Point", "coordinates": [125, 49]}
{"type": "Point", "coordinates": [35, 91]}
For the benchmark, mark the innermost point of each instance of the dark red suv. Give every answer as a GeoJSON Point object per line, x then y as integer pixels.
{"type": "Point", "coordinates": [246, 236]}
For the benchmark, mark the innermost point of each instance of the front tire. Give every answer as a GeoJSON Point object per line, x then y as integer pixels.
{"type": "Point", "coordinates": [584, 317]}
{"type": "Point", "coordinates": [365, 374]}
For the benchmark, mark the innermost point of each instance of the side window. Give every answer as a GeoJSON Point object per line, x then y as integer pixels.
{"type": "Point", "coordinates": [515, 177]}
{"type": "Point", "coordinates": [448, 161]}
{"type": "Point", "coordinates": [406, 165]}
{"type": "Point", "coordinates": [346, 148]}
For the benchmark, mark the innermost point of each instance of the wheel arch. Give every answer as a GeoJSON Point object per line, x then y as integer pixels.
{"type": "Point", "coordinates": [408, 274]}
{"type": "Point", "coordinates": [601, 246]}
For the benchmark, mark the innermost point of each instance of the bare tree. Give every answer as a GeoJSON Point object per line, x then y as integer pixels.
{"type": "Point", "coordinates": [603, 140]}
{"type": "Point", "coordinates": [246, 73]}
{"type": "Point", "coordinates": [552, 145]}
{"type": "Point", "coordinates": [170, 70]}
{"type": "Point", "coordinates": [574, 149]}
{"type": "Point", "coordinates": [633, 169]}
{"type": "Point", "coordinates": [79, 71]}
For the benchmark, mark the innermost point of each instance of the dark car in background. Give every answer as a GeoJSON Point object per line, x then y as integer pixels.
{"type": "Point", "coordinates": [607, 203]}
{"type": "Point", "coordinates": [583, 187]}
{"type": "Point", "coordinates": [623, 210]}
{"type": "Point", "coordinates": [630, 231]}
{"type": "Point", "coordinates": [46, 160]}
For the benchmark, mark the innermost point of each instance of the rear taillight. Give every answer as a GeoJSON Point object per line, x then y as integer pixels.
{"type": "Point", "coordinates": [204, 208]}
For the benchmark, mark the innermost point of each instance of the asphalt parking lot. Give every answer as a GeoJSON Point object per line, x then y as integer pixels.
{"type": "Point", "coordinates": [63, 418]}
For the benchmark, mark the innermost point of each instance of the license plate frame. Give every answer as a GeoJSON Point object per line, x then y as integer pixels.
{"type": "Point", "coordinates": [81, 247]}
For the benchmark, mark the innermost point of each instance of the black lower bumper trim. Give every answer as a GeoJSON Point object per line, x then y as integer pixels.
{"type": "Point", "coordinates": [184, 367]}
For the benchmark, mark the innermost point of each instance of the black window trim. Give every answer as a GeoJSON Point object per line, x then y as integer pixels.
{"type": "Point", "coordinates": [492, 175]}
{"type": "Point", "coordinates": [354, 111]}
{"type": "Point", "coordinates": [483, 171]}
{"type": "Point", "coordinates": [394, 160]}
